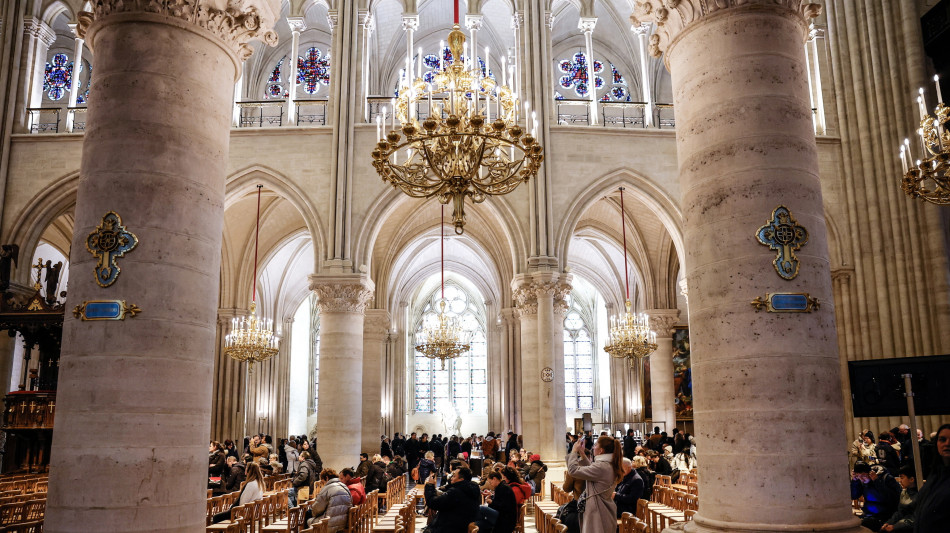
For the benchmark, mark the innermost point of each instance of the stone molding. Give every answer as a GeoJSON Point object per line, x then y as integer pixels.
{"type": "Point", "coordinates": [674, 16]}
{"type": "Point", "coordinates": [40, 30]}
{"type": "Point", "coordinates": [662, 321]}
{"type": "Point", "coordinates": [587, 24]}
{"type": "Point", "coordinates": [526, 291]}
{"type": "Point", "coordinates": [236, 22]}
{"type": "Point", "coordinates": [843, 274]}
{"type": "Point", "coordinates": [225, 315]}
{"type": "Point", "coordinates": [516, 21]}
{"type": "Point", "coordinates": [342, 294]}
{"type": "Point", "coordinates": [474, 22]}
{"type": "Point", "coordinates": [549, 19]}
{"type": "Point", "coordinates": [410, 22]}
{"type": "Point", "coordinates": [368, 21]}
{"type": "Point", "coordinates": [297, 24]}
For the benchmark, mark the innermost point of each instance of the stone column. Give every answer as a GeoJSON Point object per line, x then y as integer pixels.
{"type": "Point", "coordinates": [646, 82]}
{"type": "Point", "coordinates": [134, 398]}
{"type": "Point", "coordinates": [74, 84]}
{"type": "Point", "coordinates": [410, 23]}
{"type": "Point", "coordinates": [661, 367]}
{"type": "Point", "coordinates": [297, 25]}
{"type": "Point", "coordinates": [342, 302]}
{"type": "Point", "coordinates": [474, 23]}
{"type": "Point", "coordinates": [541, 304]}
{"type": "Point", "coordinates": [37, 38]}
{"type": "Point", "coordinates": [586, 25]}
{"type": "Point", "coordinates": [368, 24]}
{"type": "Point", "coordinates": [741, 96]}
{"type": "Point", "coordinates": [375, 331]}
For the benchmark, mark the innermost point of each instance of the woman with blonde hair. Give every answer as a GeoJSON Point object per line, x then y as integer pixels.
{"type": "Point", "coordinates": [596, 506]}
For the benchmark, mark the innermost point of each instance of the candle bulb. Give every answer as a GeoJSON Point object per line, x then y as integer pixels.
{"type": "Point", "coordinates": [504, 70]}
{"type": "Point", "coordinates": [419, 62]}
{"type": "Point", "coordinates": [430, 100]}
{"type": "Point", "coordinates": [379, 127]}
{"type": "Point", "coordinates": [487, 61]}
{"type": "Point", "coordinates": [903, 160]}
{"type": "Point", "coordinates": [939, 95]}
{"type": "Point", "coordinates": [441, 55]}
{"type": "Point", "coordinates": [394, 113]}
{"type": "Point", "coordinates": [922, 104]}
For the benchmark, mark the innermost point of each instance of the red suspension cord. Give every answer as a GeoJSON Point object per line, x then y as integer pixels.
{"type": "Point", "coordinates": [442, 242]}
{"type": "Point", "coordinates": [623, 224]}
{"type": "Point", "coordinates": [456, 11]}
{"type": "Point", "coordinates": [257, 236]}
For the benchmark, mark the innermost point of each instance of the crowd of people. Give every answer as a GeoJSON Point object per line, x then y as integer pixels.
{"type": "Point", "coordinates": [884, 480]}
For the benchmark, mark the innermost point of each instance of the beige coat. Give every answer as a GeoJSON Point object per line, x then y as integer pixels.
{"type": "Point", "coordinates": [600, 514]}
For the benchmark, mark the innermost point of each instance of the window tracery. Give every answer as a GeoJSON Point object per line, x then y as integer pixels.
{"type": "Point", "coordinates": [575, 77]}
{"type": "Point", "coordinates": [578, 359]}
{"type": "Point", "coordinates": [313, 73]}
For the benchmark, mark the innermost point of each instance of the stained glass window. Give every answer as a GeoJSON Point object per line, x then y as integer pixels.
{"type": "Point", "coordinates": [83, 96]}
{"type": "Point", "coordinates": [578, 361]}
{"type": "Point", "coordinates": [430, 67]}
{"type": "Point", "coordinates": [59, 74]}
{"type": "Point", "coordinates": [313, 73]}
{"type": "Point", "coordinates": [464, 381]}
{"type": "Point", "coordinates": [574, 77]}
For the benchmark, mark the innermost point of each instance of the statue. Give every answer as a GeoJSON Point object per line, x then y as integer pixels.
{"type": "Point", "coordinates": [8, 254]}
{"type": "Point", "coordinates": [52, 280]}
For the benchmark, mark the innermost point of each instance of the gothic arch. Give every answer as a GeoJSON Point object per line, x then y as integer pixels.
{"type": "Point", "coordinates": [51, 202]}
{"type": "Point", "coordinates": [660, 203]}
{"type": "Point", "coordinates": [243, 182]}
{"type": "Point", "coordinates": [55, 8]}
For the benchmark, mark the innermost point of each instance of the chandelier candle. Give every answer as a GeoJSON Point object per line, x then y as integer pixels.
{"type": "Point", "coordinates": [927, 179]}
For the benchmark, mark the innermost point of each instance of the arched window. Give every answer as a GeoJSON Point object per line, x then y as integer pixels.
{"type": "Point", "coordinates": [574, 76]}
{"type": "Point", "coordinates": [58, 77]}
{"type": "Point", "coordinates": [464, 381]}
{"type": "Point", "coordinates": [313, 73]}
{"type": "Point", "coordinates": [578, 360]}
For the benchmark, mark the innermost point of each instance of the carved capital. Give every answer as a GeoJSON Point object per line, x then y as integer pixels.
{"type": "Point", "coordinates": [526, 291]}
{"type": "Point", "coordinates": [333, 17]}
{"type": "Point", "coordinates": [474, 22]}
{"type": "Point", "coordinates": [516, 21]}
{"type": "Point", "coordinates": [342, 294]}
{"type": "Point", "coordinates": [683, 290]}
{"type": "Point", "coordinates": [587, 24]}
{"type": "Point", "coordinates": [369, 22]}
{"type": "Point", "coordinates": [640, 29]}
{"type": "Point", "coordinates": [297, 24]}
{"type": "Point", "coordinates": [235, 22]}
{"type": "Point", "coordinates": [842, 274]}
{"type": "Point", "coordinates": [549, 19]}
{"type": "Point", "coordinates": [410, 22]}
{"type": "Point", "coordinates": [376, 324]}
{"type": "Point", "coordinates": [674, 16]}
{"type": "Point", "coordinates": [662, 321]}
{"type": "Point", "coordinates": [39, 30]}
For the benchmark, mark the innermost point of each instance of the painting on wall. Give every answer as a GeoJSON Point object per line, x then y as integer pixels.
{"type": "Point", "coordinates": [682, 377]}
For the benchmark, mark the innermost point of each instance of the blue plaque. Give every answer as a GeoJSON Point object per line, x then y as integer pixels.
{"type": "Point", "coordinates": [786, 302]}
{"type": "Point", "coordinates": [105, 310]}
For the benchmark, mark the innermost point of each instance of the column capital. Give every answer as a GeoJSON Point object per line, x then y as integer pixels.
{"type": "Point", "coordinates": [815, 32]}
{"type": "Point", "coordinates": [843, 274]}
{"type": "Point", "coordinates": [662, 321]}
{"type": "Point", "coordinates": [674, 16]}
{"type": "Point", "coordinates": [333, 17]}
{"type": "Point", "coordinates": [297, 24]}
{"type": "Point", "coordinates": [549, 19]}
{"type": "Point", "coordinates": [474, 22]}
{"type": "Point", "coordinates": [38, 29]}
{"type": "Point", "coordinates": [376, 324]}
{"type": "Point", "coordinates": [410, 22]}
{"type": "Point", "coordinates": [235, 22]}
{"type": "Point", "coordinates": [641, 28]}
{"type": "Point", "coordinates": [587, 24]}
{"type": "Point", "coordinates": [516, 20]}
{"type": "Point", "coordinates": [527, 289]}
{"type": "Point", "coordinates": [226, 314]}
{"type": "Point", "coordinates": [74, 27]}
{"type": "Point", "coordinates": [342, 294]}
{"type": "Point", "coordinates": [368, 21]}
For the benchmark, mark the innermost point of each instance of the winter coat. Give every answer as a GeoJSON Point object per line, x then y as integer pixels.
{"type": "Point", "coordinates": [293, 458]}
{"type": "Point", "coordinates": [385, 449]}
{"type": "Point", "coordinates": [629, 446]}
{"type": "Point", "coordinates": [376, 478]}
{"type": "Point", "coordinates": [426, 467]}
{"type": "Point", "coordinates": [234, 477]}
{"type": "Point", "coordinates": [306, 474]}
{"type": "Point", "coordinates": [217, 464]}
{"type": "Point", "coordinates": [317, 463]}
{"type": "Point", "coordinates": [572, 485]}
{"type": "Point", "coordinates": [888, 457]}
{"type": "Point", "coordinates": [628, 491]}
{"type": "Point", "coordinates": [536, 473]}
{"type": "Point", "coordinates": [457, 506]}
{"type": "Point", "coordinates": [881, 495]}
{"type": "Point", "coordinates": [397, 468]}
{"type": "Point", "coordinates": [903, 518]}
{"type": "Point", "coordinates": [454, 449]}
{"type": "Point", "coordinates": [489, 447]}
{"type": "Point", "coordinates": [683, 462]}
{"type": "Point", "coordinates": [522, 492]}
{"type": "Point", "coordinates": [648, 477]}
{"type": "Point", "coordinates": [933, 502]}
{"type": "Point", "coordinates": [399, 446]}
{"type": "Point", "coordinates": [600, 513]}
{"type": "Point", "coordinates": [258, 451]}
{"type": "Point", "coordinates": [504, 502]}
{"type": "Point", "coordinates": [362, 469]}
{"type": "Point", "coordinates": [357, 491]}
{"type": "Point", "coordinates": [334, 502]}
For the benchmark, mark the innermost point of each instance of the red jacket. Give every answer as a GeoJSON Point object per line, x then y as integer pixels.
{"type": "Point", "coordinates": [357, 492]}
{"type": "Point", "coordinates": [522, 492]}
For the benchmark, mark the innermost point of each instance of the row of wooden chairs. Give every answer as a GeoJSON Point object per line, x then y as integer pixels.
{"type": "Point", "coordinates": [400, 516]}
{"type": "Point", "coordinates": [544, 512]}
{"type": "Point", "coordinates": [395, 492]}
{"type": "Point", "coordinates": [25, 486]}
{"type": "Point", "coordinates": [25, 511]}
{"type": "Point", "coordinates": [560, 496]}
{"type": "Point", "coordinates": [33, 526]}
{"type": "Point", "coordinates": [632, 524]}
{"type": "Point", "coordinates": [361, 518]}
{"type": "Point", "coordinates": [679, 500]}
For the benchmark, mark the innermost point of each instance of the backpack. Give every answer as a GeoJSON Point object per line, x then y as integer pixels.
{"type": "Point", "coordinates": [415, 474]}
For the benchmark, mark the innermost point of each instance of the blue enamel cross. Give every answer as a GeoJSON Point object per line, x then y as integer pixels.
{"type": "Point", "coordinates": [109, 242]}
{"type": "Point", "coordinates": [785, 236]}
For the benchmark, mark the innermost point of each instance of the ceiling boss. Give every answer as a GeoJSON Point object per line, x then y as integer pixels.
{"type": "Point", "coordinates": [457, 150]}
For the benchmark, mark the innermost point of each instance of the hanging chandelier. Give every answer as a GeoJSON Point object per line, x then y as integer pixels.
{"type": "Point", "coordinates": [629, 335]}
{"type": "Point", "coordinates": [928, 178]}
{"type": "Point", "coordinates": [457, 151]}
{"type": "Point", "coordinates": [252, 339]}
{"type": "Point", "coordinates": [444, 338]}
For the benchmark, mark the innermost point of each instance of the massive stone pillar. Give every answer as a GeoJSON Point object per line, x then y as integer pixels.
{"type": "Point", "coordinates": [540, 298]}
{"type": "Point", "coordinates": [375, 332]}
{"type": "Point", "coordinates": [342, 301]}
{"type": "Point", "coordinates": [746, 145]}
{"type": "Point", "coordinates": [134, 399]}
{"type": "Point", "coordinates": [661, 368]}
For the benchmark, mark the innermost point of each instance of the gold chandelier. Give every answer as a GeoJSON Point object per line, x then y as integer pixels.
{"type": "Point", "coordinates": [443, 339]}
{"type": "Point", "coordinates": [252, 339]}
{"type": "Point", "coordinates": [928, 178]}
{"type": "Point", "coordinates": [457, 151]}
{"type": "Point", "coordinates": [629, 334]}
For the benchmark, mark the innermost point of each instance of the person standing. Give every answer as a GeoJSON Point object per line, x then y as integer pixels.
{"type": "Point", "coordinates": [629, 445]}
{"type": "Point", "coordinates": [596, 506]}
{"type": "Point", "coordinates": [933, 501]}
{"type": "Point", "coordinates": [511, 445]}
{"type": "Point", "coordinates": [293, 456]}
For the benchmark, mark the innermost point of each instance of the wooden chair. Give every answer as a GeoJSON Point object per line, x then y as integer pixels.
{"type": "Point", "coordinates": [519, 528]}
{"type": "Point", "coordinates": [11, 512]}
{"type": "Point", "coordinates": [34, 526]}
{"type": "Point", "coordinates": [291, 524]}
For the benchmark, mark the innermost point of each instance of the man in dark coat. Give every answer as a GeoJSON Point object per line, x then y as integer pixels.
{"type": "Point", "coordinates": [881, 493]}
{"type": "Point", "coordinates": [412, 451]}
{"type": "Point", "coordinates": [502, 500]}
{"type": "Point", "coordinates": [629, 490]}
{"type": "Point", "coordinates": [398, 445]}
{"type": "Point", "coordinates": [511, 445]}
{"type": "Point", "coordinates": [457, 505]}
{"type": "Point", "coordinates": [629, 445]}
{"type": "Point", "coordinates": [933, 501]}
{"type": "Point", "coordinates": [362, 469]}
{"type": "Point", "coordinates": [233, 475]}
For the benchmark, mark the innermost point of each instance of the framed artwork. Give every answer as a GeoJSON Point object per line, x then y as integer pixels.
{"type": "Point", "coordinates": [682, 377]}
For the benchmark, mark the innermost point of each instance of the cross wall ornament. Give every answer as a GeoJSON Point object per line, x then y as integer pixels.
{"type": "Point", "coordinates": [109, 242]}
{"type": "Point", "coordinates": [782, 234]}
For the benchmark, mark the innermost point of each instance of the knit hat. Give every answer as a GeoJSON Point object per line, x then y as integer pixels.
{"type": "Point", "coordinates": [535, 457]}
